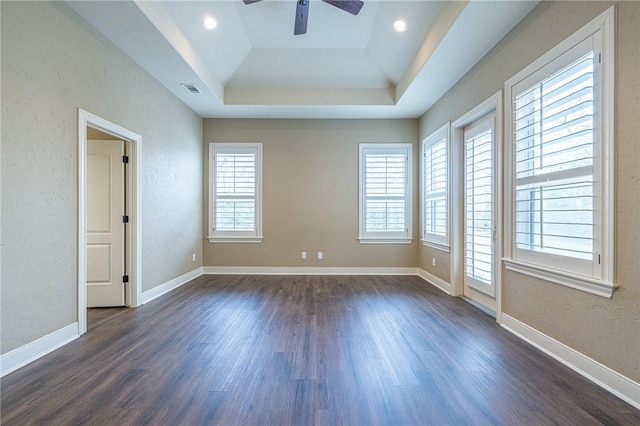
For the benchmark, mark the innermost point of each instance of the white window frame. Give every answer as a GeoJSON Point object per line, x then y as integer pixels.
{"type": "Point", "coordinates": [386, 237]}
{"type": "Point", "coordinates": [437, 241]}
{"type": "Point", "coordinates": [227, 236]}
{"type": "Point", "coordinates": [601, 280]}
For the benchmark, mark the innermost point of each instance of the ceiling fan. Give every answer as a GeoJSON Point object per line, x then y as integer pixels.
{"type": "Point", "coordinates": [302, 11]}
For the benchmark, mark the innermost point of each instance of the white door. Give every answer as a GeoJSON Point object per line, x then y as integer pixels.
{"type": "Point", "coordinates": [479, 211]}
{"type": "Point", "coordinates": [105, 227]}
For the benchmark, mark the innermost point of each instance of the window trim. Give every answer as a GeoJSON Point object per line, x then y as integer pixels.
{"type": "Point", "coordinates": [228, 236]}
{"type": "Point", "coordinates": [602, 26]}
{"type": "Point", "coordinates": [379, 237]}
{"type": "Point", "coordinates": [438, 242]}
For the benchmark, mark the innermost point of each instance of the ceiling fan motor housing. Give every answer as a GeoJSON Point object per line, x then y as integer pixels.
{"type": "Point", "coordinates": [302, 11]}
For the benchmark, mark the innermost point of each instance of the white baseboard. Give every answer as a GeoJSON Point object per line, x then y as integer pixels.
{"type": "Point", "coordinates": [435, 281]}
{"type": "Point", "coordinates": [154, 293]}
{"type": "Point", "coordinates": [614, 382]}
{"type": "Point", "coordinates": [19, 357]}
{"type": "Point", "coordinates": [327, 270]}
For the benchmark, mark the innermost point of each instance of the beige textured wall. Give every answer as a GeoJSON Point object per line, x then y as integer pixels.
{"type": "Point", "coordinates": [310, 192]}
{"type": "Point", "coordinates": [605, 330]}
{"type": "Point", "coordinates": [52, 64]}
{"type": "Point", "coordinates": [442, 268]}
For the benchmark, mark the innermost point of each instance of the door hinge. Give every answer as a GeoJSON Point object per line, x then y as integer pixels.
{"type": "Point", "coordinates": [125, 159]}
{"type": "Point", "coordinates": [125, 219]}
{"type": "Point", "coordinates": [125, 278]}
{"type": "Point", "coordinates": [598, 259]}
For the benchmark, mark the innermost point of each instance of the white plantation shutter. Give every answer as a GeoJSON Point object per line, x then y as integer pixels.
{"type": "Point", "coordinates": [479, 205]}
{"type": "Point", "coordinates": [435, 220]}
{"type": "Point", "coordinates": [553, 157]}
{"type": "Point", "coordinates": [385, 191]}
{"type": "Point", "coordinates": [235, 191]}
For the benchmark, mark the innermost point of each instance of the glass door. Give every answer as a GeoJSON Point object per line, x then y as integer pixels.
{"type": "Point", "coordinates": [479, 205]}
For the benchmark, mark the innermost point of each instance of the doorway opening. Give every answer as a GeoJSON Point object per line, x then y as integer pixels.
{"type": "Point", "coordinates": [103, 143]}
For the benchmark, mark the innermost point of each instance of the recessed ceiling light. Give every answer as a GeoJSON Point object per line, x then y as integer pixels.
{"type": "Point", "coordinates": [400, 26]}
{"type": "Point", "coordinates": [209, 22]}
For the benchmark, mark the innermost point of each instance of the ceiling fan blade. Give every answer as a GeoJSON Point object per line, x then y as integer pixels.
{"type": "Point", "coordinates": [250, 1]}
{"type": "Point", "coordinates": [302, 14]}
{"type": "Point", "coordinates": [351, 6]}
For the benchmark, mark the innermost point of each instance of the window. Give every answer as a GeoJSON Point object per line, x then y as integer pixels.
{"type": "Point", "coordinates": [560, 162]}
{"type": "Point", "coordinates": [385, 193]}
{"type": "Point", "coordinates": [435, 189]}
{"type": "Point", "coordinates": [235, 192]}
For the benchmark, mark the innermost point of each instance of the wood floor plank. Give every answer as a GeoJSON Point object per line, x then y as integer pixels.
{"type": "Point", "coordinates": [302, 350]}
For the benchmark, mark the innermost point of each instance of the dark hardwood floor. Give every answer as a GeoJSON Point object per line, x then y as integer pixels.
{"type": "Point", "coordinates": [265, 350]}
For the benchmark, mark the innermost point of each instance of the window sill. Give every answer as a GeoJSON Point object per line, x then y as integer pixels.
{"type": "Point", "coordinates": [442, 247]}
{"type": "Point", "coordinates": [385, 240]}
{"type": "Point", "coordinates": [241, 240]}
{"type": "Point", "coordinates": [577, 282]}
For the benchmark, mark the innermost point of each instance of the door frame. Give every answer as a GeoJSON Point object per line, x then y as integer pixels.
{"type": "Point", "coordinates": [492, 104]}
{"type": "Point", "coordinates": [133, 240]}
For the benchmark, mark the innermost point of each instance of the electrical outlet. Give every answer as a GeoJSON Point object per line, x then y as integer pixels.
{"type": "Point", "coordinates": [319, 255]}
{"type": "Point", "coordinates": [433, 261]}
{"type": "Point", "coordinates": [304, 254]}
{"type": "Point", "coordinates": [193, 257]}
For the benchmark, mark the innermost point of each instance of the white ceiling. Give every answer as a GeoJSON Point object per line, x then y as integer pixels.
{"type": "Point", "coordinates": [346, 66]}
